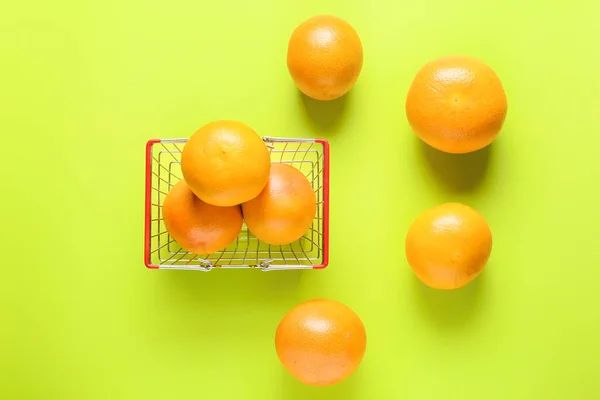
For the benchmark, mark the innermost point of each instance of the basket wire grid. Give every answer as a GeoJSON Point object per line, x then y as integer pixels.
{"type": "Point", "coordinates": [163, 170]}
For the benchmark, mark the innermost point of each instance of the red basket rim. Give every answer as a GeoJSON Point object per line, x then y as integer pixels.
{"type": "Point", "coordinates": [148, 202]}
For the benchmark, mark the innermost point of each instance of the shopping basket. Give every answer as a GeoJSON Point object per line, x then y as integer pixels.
{"type": "Point", "coordinates": [163, 170]}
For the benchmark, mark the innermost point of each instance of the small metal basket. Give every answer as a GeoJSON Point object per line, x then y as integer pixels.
{"type": "Point", "coordinates": [163, 170]}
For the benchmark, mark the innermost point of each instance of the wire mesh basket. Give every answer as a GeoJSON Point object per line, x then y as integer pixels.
{"type": "Point", "coordinates": [163, 170]}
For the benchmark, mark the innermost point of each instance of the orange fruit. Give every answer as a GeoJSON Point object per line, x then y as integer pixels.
{"type": "Point", "coordinates": [225, 163]}
{"type": "Point", "coordinates": [284, 211]}
{"type": "Point", "coordinates": [324, 57]}
{"type": "Point", "coordinates": [448, 245]}
{"type": "Point", "coordinates": [456, 104]}
{"type": "Point", "coordinates": [320, 342]}
{"type": "Point", "coordinates": [196, 226]}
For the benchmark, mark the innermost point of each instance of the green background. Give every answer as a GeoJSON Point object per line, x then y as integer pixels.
{"type": "Point", "coordinates": [84, 84]}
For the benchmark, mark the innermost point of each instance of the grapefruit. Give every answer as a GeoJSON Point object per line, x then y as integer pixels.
{"type": "Point", "coordinates": [448, 245]}
{"type": "Point", "coordinates": [284, 211]}
{"type": "Point", "coordinates": [456, 104]}
{"type": "Point", "coordinates": [196, 226]}
{"type": "Point", "coordinates": [225, 163]}
{"type": "Point", "coordinates": [324, 57]}
{"type": "Point", "coordinates": [320, 342]}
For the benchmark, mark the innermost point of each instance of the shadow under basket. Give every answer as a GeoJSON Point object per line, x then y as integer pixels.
{"type": "Point", "coordinates": [163, 170]}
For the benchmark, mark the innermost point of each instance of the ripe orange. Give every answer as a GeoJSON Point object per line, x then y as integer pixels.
{"type": "Point", "coordinates": [320, 342]}
{"type": "Point", "coordinates": [325, 57]}
{"type": "Point", "coordinates": [199, 227]}
{"type": "Point", "coordinates": [456, 104]}
{"type": "Point", "coordinates": [284, 211]}
{"type": "Point", "coordinates": [448, 245]}
{"type": "Point", "coordinates": [225, 163]}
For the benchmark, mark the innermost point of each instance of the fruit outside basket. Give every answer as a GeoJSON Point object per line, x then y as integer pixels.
{"type": "Point", "coordinates": [163, 170]}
